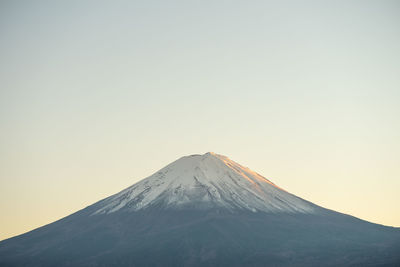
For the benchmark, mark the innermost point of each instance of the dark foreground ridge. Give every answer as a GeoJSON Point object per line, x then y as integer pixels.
{"type": "Point", "coordinates": [212, 236]}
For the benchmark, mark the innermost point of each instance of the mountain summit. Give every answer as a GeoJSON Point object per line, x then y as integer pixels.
{"type": "Point", "coordinates": [204, 182]}
{"type": "Point", "coordinates": [205, 210]}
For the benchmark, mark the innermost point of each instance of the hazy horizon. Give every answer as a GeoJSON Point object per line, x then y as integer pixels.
{"type": "Point", "coordinates": [97, 95]}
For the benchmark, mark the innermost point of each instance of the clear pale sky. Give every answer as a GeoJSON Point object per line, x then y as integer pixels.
{"type": "Point", "coordinates": [96, 95]}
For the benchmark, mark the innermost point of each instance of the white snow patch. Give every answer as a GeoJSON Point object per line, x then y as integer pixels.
{"type": "Point", "coordinates": [208, 180]}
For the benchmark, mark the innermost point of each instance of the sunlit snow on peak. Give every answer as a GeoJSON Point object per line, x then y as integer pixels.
{"type": "Point", "coordinates": [208, 181]}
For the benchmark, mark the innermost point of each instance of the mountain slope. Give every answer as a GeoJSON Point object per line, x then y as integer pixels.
{"type": "Point", "coordinates": [206, 181]}
{"type": "Point", "coordinates": [205, 210]}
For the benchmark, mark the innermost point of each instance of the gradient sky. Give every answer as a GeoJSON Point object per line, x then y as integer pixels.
{"type": "Point", "coordinates": [96, 95]}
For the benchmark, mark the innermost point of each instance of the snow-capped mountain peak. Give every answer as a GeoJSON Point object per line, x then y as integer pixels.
{"type": "Point", "coordinates": [204, 182]}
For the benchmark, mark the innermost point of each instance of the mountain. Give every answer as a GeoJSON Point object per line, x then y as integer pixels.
{"type": "Point", "coordinates": [205, 210]}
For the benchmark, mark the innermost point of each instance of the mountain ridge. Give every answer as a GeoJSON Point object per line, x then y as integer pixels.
{"type": "Point", "coordinates": [206, 181]}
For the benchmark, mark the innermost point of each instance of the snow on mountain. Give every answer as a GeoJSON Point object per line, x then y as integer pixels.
{"type": "Point", "coordinates": [202, 182]}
